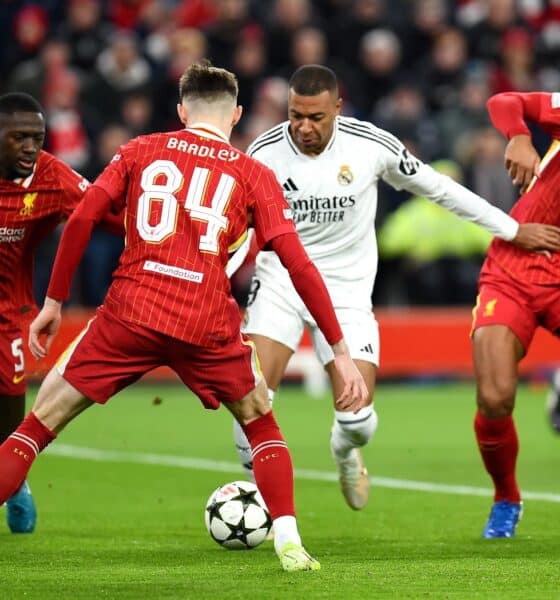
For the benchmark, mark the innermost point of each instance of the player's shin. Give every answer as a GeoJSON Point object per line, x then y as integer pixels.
{"type": "Point", "coordinates": [499, 446]}
{"type": "Point", "coordinates": [272, 465]}
{"type": "Point", "coordinates": [352, 430]}
{"type": "Point", "coordinates": [243, 447]}
{"type": "Point", "coordinates": [19, 451]}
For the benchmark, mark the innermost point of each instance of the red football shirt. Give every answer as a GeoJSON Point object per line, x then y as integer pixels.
{"type": "Point", "coordinates": [29, 210]}
{"type": "Point", "coordinates": [541, 203]}
{"type": "Point", "coordinates": [188, 196]}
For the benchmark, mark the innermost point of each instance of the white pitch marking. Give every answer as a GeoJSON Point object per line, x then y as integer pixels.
{"type": "Point", "coordinates": [202, 464]}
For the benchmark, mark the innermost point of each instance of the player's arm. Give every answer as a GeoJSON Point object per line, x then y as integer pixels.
{"type": "Point", "coordinates": [312, 290]}
{"type": "Point", "coordinates": [75, 237]}
{"type": "Point", "coordinates": [509, 113]}
{"type": "Point", "coordinates": [74, 186]}
{"type": "Point", "coordinates": [405, 171]}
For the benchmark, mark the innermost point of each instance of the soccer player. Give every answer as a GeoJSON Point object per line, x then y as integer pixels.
{"type": "Point", "coordinates": [329, 166]}
{"type": "Point", "coordinates": [518, 292]}
{"type": "Point", "coordinates": [188, 196]}
{"type": "Point", "coordinates": [37, 192]}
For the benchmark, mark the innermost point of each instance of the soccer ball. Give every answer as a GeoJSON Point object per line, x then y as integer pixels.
{"type": "Point", "coordinates": [236, 516]}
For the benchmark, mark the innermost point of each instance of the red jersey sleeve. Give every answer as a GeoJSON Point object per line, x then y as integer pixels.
{"type": "Point", "coordinates": [75, 237]}
{"type": "Point", "coordinates": [115, 177]}
{"type": "Point", "coordinates": [309, 284]}
{"type": "Point", "coordinates": [270, 211]}
{"type": "Point", "coordinates": [510, 111]}
{"type": "Point", "coordinates": [73, 186]}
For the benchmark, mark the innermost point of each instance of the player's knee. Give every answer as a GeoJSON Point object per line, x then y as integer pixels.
{"type": "Point", "coordinates": [358, 427]}
{"type": "Point", "coordinates": [252, 406]}
{"type": "Point", "coordinates": [496, 399]}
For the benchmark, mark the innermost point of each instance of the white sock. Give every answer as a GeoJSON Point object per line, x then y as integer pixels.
{"type": "Point", "coordinates": [352, 430]}
{"type": "Point", "coordinates": [285, 530]}
{"type": "Point", "coordinates": [243, 447]}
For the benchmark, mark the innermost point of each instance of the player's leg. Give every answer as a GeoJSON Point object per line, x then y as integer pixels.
{"type": "Point", "coordinates": [496, 353]}
{"type": "Point", "coordinates": [273, 358]}
{"type": "Point", "coordinates": [553, 401]}
{"type": "Point", "coordinates": [275, 325]}
{"type": "Point", "coordinates": [56, 405]}
{"type": "Point", "coordinates": [351, 431]}
{"type": "Point", "coordinates": [21, 514]}
{"type": "Point", "coordinates": [104, 358]}
{"type": "Point", "coordinates": [230, 375]}
{"type": "Point", "coordinates": [551, 307]}
{"type": "Point", "coordinates": [273, 474]}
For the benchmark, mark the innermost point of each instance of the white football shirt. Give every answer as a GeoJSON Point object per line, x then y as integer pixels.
{"type": "Point", "coordinates": [333, 197]}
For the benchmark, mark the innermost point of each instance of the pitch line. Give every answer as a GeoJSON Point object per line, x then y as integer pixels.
{"type": "Point", "coordinates": [202, 464]}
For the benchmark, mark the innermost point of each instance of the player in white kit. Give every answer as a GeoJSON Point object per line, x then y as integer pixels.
{"type": "Point", "coordinates": [329, 166]}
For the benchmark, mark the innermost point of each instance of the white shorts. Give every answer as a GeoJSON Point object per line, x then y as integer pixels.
{"type": "Point", "coordinates": [283, 316]}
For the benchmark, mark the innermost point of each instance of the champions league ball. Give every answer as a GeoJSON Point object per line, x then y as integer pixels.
{"type": "Point", "coordinates": [236, 516]}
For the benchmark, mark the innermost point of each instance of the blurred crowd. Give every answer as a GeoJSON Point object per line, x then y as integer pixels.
{"type": "Point", "coordinates": [106, 71]}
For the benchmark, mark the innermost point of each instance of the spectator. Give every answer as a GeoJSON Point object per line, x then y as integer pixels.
{"type": "Point", "coordinates": [346, 32]}
{"type": "Point", "coordinates": [249, 64]}
{"type": "Point", "coordinates": [67, 138]}
{"type": "Point", "coordinates": [380, 58]}
{"type": "Point", "coordinates": [85, 32]}
{"type": "Point", "coordinates": [486, 36]}
{"type": "Point", "coordinates": [287, 17]}
{"type": "Point", "coordinates": [515, 71]}
{"type": "Point", "coordinates": [443, 73]}
{"type": "Point", "coordinates": [226, 30]}
{"type": "Point", "coordinates": [120, 69]}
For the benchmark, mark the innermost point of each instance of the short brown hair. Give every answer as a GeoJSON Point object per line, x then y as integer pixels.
{"type": "Point", "coordinates": [202, 81]}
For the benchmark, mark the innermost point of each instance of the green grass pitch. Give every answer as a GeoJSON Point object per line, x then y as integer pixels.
{"type": "Point", "coordinates": [123, 516]}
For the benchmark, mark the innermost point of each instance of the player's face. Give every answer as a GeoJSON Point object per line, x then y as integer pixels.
{"type": "Point", "coordinates": [312, 120]}
{"type": "Point", "coordinates": [21, 137]}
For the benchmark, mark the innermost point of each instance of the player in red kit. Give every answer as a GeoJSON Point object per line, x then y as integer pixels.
{"type": "Point", "coordinates": [189, 196]}
{"type": "Point", "coordinates": [37, 192]}
{"type": "Point", "coordinates": [518, 291]}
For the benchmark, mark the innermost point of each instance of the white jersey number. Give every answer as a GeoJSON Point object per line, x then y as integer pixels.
{"type": "Point", "coordinates": [17, 353]}
{"type": "Point", "coordinates": [164, 193]}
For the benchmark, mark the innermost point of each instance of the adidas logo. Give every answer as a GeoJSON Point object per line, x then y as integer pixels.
{"type": "Point", "coordinates": [367, 348]}
{"type": "Point", "coordinates": [289, 185]}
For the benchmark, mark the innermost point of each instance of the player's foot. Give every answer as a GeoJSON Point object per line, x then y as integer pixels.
{"type": "Point", "coordinates": [295, 558]}
{"type": "Point", "coordinates": [553, 402]}
{"type": "Point", "coordinates": [354, 480]}
{"type": "Point", "coordinates": [21, 513]}
{"type": "Point", "coordinates": [503, 519]}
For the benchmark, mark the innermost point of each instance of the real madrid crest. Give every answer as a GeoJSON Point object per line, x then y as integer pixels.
{"type": "Point", "coordinates": [345, 176]}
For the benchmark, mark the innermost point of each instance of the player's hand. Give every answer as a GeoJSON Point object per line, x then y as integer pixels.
{"type": "Point", "coordinates": [522, 161]}
{"type": "Point", "coordinates": [47, 322]}
{"type": "Point", "coordinates": [538, 237]}
{"type": "Point", "coordinates": [355, 394]}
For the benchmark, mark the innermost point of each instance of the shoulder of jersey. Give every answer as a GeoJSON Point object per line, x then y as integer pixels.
{"type": "Point", "coordinates": [48, 167]}
{"type": "Point", "coordinates": [268, 140]}
{"type": "Point", "coordinates": [367, 132]}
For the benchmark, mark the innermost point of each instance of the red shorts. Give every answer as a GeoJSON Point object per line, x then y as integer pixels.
{"type": "Point", "coordinates": [110, 354]}
{"type": "Point", "coordinates": [12, 364]}
{"type": "Point", "coordinates": [520, 306]}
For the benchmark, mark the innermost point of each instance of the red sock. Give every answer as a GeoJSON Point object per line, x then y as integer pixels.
{"type": "Point", "coordinates": [18, 452]}
{"type": "Point", "coordinates": [499, 446]}
{"type": "Point", "coordinates": [272, 465]}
